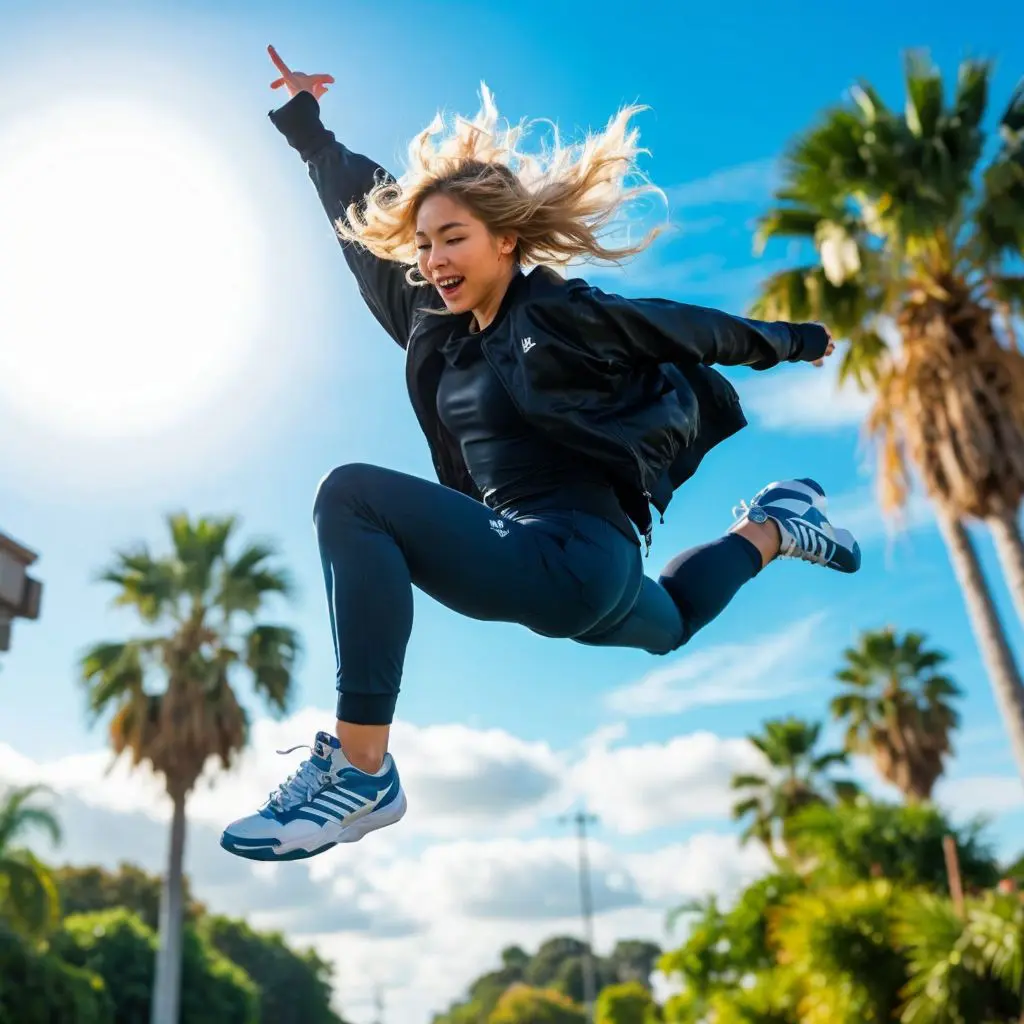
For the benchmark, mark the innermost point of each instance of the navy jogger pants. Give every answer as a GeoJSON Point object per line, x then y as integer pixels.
{"type": "Point", "coordinates": [559, 573]}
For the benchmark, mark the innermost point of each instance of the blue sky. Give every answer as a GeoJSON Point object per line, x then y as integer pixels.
{"type": "Point", "coordinates": [298, 377]}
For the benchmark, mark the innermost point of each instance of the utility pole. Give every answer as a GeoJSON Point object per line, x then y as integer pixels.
{"type": "Point", "coordinates": [581, 819]}
{"type": "Point", "coordinates": [378, 1005]}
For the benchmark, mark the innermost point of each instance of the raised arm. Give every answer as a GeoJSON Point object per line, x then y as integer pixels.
{"type": "Point", "coordinates": [676, 332]}
{"type": "Point", "coordinates": [342, 177]}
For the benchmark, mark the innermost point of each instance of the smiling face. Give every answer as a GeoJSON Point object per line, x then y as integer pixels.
{"type": "Point", "coordinates": [459, 255]}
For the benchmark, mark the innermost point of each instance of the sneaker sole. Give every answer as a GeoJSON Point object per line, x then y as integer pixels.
{"type": "Point", "coordinates": [389, 815]}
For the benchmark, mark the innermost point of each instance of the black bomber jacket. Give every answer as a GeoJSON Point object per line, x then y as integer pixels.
{"type": "Point", "coordinates": [625, 381]}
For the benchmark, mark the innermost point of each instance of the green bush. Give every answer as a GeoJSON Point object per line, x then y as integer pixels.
{"type": "Point", "coordinates": [40, 988]}
{"type": "Point", "coordinates": [121, 949]}
{"type": "Point", "coordinates": [295, 988]}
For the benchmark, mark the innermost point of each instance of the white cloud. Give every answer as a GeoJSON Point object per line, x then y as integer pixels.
{"type": "Point", "coordinates": [515, 879]}
{"type": "Point", "coordinates": [798, 398]}
{"type": "Point", "coordinates": [659, 785]}
{"type": "Point", "coordinates": [458, 889]}
{"type": "Point", "coordinates": [709, 863]}
{"type": "Point", "coordinates": [724, 674]}
{"type": "Point", "coordinates": [970, 797]}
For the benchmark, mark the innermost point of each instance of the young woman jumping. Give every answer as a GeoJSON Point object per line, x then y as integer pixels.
{"type": "Point", "coordinates": [557, 415]}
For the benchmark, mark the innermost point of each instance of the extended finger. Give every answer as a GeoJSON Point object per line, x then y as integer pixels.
{"type": "Point", "coordinates": [277, 83]}
{"type": "Point", "coordinates": [278, 63]}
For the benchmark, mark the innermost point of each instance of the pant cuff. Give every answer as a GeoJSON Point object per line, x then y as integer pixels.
{"type": "Point", "coordinates": [367, 708]}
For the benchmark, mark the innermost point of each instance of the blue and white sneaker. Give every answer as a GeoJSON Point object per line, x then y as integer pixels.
{"type": "Point", "coordinates": [326, 802]}
{"type": "Point", "coordinates": [800, 510]}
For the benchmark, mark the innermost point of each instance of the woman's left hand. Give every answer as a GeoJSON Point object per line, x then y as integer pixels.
{"type": "Point", "coordinates": [829, 349]}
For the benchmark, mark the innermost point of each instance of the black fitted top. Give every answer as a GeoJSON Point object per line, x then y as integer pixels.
{"type": "Point", "coordinates": [517, 468]}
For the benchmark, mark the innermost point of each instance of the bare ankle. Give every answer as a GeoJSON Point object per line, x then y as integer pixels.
{"type": "Point", "coordinates": [364, 746]}
{"type": "Point", "coordinates": [764, 536]}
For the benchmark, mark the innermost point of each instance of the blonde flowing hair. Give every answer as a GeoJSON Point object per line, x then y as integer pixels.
{"type": "Point", "coordinates": [556, 202]}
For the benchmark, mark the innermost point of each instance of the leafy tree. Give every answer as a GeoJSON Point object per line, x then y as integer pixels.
{"type": "Point", "coordinates": [626, 1003]}
{"type": "Point", "coordinates": [201, 605]}
{"type": "Point", "coordinates": [838, 943]}
{"type": "Point", "coordinates": [522, 1004]}
{"type": "Point", "coordinates": [545, 964]}
{"type": "Point", "coordinates": [897, 707]}
{"type": "Point", "coordinates": [797, 777]}
{"type": "Point", "coordinates": [29, 901]}
{"type": "Point", "coordinates": [117, 945]}
{"type": "Point", "coordinates": [37, 987]}
{"type": "Point", "coordinates": [723, 947]}
{"type": "Point", "coordinates": [868, 839]}
{"type": "Point", "coordinates": [295, 988]}
{"type": "Point", "coordinates": [633, 960]}
{"type": "Point", "coordinates": [557, 965]}
{"type": "Point", "coordinates": [915, 225]}
{"type": "Point", "coordinates": [90, 888]}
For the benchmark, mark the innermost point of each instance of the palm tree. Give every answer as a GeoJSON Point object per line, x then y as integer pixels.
{"type": "Point", "coordinates": [897, 709]}
{"type": "Point", "coordinates": [170, 691]}
{"type": "Point", "coordinates": [29, 900]}
{"type": "Point", "coordinates": [909, 234]}
{"type": "Point", "coordinates": [797, 778]}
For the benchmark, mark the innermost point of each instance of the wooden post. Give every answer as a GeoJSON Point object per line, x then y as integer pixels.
{"type": "Point", "coordinates": [956, 889]}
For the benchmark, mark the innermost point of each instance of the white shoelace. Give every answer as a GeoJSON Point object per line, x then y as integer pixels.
{"type": "Point", "coordinates": [301, 785]}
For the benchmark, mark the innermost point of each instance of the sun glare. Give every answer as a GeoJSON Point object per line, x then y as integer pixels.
{"type": "Point", "coordinates": [130, 268]}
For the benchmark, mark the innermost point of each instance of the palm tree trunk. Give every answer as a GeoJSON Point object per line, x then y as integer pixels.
{"type": "Point", "coordinates": [989, 634]}
{"type": "Point", "coordinates": [1010, 548]}
{"type": "Point", "coordinates": [167, 986]}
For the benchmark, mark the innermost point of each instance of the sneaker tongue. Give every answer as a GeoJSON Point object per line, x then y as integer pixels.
{"type": "Point", "coordinates": [323, 747]}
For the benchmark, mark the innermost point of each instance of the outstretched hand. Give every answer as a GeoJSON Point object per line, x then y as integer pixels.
{"type": "Point", "coordinates": [298, 81]}
{"type": "Point", "coordinates": [829, 349]}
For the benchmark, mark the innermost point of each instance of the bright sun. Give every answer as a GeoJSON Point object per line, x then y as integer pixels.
{"type": "Point", "coordinates": [130, 269]}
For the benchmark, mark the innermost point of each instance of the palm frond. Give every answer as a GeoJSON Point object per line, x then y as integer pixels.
{"type": "Point", "coordinates": [271, 653]}
{"type": "Point", "coordinates": [199, 546]}
{"type": "Point", "coordinates": [147, 584]}
{"type": "Point", "coordinates": [113, 672]}
{"type": "Point", "coordinates": [30, 900]}
{"type": "Point", "coordinates": [1000, 213]}
{"type": "Point", "coordinates": [748, 782]}
{"type": "Point", "coordinates": [17, 817]}
{"type": "Point", "coordinates": [246, 581]}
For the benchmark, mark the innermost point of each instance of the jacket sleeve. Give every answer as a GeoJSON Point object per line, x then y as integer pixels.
{"type": "Point", "coordinates": [675, 332]}
{"type": "Point", "coordinates": [342, 177]}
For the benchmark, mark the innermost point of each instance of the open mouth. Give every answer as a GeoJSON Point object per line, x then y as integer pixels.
{"type": "Point", "coordinates": [448, 286]}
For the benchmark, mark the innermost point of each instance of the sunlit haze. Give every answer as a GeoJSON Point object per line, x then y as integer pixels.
{"type": "Point", "coordinates": [130, 268]}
